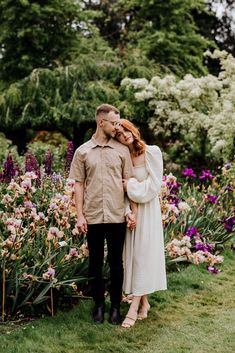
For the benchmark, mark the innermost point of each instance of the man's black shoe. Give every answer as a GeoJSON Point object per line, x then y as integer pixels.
{"type": "Point", "coordinates": [115, 317]}
{"type": "Point", "coordinates": [98, 314]}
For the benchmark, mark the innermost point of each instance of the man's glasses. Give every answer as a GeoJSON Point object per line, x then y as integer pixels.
{"type": "Point", "coordinates": [116, 124]}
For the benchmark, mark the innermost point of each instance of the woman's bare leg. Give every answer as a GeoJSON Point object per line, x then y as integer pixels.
{"type": "Point", "coordinates": [145, 306]}
{"type": "Point", "coordinates": [132, 314]}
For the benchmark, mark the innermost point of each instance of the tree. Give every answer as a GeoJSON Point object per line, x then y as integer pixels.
{"type": "Point", "coordinates": [37, 34]}
{"type": "Point", "coordinates": [164, 31]}
{"type": "Point", "coordinates": [224, 25]}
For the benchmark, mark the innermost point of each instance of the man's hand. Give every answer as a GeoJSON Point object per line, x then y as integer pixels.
{"type": "Point", "coordinates": [131, 220]}
{"type": "Point", "coordinates": [82, 224]}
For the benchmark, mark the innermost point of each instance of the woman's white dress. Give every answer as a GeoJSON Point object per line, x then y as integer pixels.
{"type": "Point", "coordinates": [143, 256]}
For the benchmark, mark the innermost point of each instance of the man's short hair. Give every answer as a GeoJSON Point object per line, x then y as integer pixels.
{"type": "Point", "coordinates": [105, 109]}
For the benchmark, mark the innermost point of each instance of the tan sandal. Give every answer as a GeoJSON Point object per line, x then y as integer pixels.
{"type": "Point", "coordinates": [143, 313]}
{"type": "Point", "coordinates": [129, 321]}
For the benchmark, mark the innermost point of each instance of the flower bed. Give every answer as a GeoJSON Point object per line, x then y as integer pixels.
{"type": "Point", "coordinates": [44, 260]}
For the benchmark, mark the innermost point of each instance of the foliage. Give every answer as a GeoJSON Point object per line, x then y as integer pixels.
{"type": "Point", "coordinates": [194, 117]}
{"type": "Point", "coordinates": [6, 147]}
{"type": "Point", "coordinates": [165, 32]}
{"type": "Point", "coordinates": [46, 141]}
{"type": "Point", "coordinates": [223, 24]}
{"type": "Point", "coordinates": [36, 35]}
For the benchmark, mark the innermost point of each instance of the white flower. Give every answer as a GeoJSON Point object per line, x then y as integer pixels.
{"type": "Point", "coordinates": [183, 206]}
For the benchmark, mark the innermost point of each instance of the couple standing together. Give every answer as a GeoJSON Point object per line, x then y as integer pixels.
{"type": "Point", "coordinates": [118, 178]}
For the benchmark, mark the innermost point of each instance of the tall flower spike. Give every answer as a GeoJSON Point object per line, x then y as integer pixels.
{"type": "Point", "coordinates": [69, 156]}
{"type": "Point", "coordinates": [48, 162]}
{"type": "Point", "coordinates": [32, 165]}
{"type": "Point", "coordinates": [9, 170]}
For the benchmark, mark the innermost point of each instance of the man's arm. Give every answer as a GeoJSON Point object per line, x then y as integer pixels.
{"type": "Point", "coordinates": [79, 200]}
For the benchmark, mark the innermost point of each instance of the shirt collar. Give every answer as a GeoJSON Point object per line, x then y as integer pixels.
{"type": "Point", "coordinates": [110, 143]}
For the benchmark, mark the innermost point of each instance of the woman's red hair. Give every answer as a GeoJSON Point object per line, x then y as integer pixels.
{"type": "Point", "coordinates": [138, 143]}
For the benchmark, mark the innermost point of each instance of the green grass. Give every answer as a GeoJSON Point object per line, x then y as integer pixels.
{"type": "Point", "coordinates": [195, 315]}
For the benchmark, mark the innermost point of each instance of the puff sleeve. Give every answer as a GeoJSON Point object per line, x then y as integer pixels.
{"type": "Point", "coordinates": [146, 190]}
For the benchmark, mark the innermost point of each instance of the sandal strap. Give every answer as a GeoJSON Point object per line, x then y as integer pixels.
{"type": "Point", "coordinates": [130, 318]}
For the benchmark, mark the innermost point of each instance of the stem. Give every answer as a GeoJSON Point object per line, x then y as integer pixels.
{"type": "Point", "coordinates": [3, 292]}
{"type": "Point", "coordinates": [52, 303]}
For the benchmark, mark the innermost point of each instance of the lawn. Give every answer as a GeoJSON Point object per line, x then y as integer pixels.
{"type": "Point", "coordinates": [196, 314]}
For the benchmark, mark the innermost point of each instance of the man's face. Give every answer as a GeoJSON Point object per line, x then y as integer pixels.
{"type": "Point", "coordinates": [109, 123]}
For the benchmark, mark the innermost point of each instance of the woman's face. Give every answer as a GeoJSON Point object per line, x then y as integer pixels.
{"type": "Point", "coordinates": [124, 136]}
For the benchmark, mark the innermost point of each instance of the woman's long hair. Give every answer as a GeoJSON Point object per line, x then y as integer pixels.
{"type": "Point", "coordinates": [138, 143]}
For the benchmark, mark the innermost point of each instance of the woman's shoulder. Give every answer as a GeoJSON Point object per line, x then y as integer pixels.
{"type": "Point", "coordinates": [153, 149]}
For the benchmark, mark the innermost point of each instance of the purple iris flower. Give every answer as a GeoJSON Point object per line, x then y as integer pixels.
{"type": "Point", "coordinates": [213, 269]}
{"type": "Point", "coordinates": [174, 187]}
{"type": "Point", "coordinates": [173, 200]}
{"type": "Point", "coordinates": [191, 232]}
{"type": "Point", "coordinates": [189, 172]}
{"type": "Point", "coordinates": [204, 247]}
{"type": "Point", "coordinates": [229, 223]}
{"type": "Point", "coordinates": [229, 187]}
{"type": "Point", "coordinates": [206, 175]}
{"type": "Point", "coordinates": [212, 199]}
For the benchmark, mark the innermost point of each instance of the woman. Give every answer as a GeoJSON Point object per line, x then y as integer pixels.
{"type": "Point", "coordinates": [144, 260]}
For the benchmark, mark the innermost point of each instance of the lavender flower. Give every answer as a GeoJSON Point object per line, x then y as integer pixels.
{"type": "Point", "coordinates": [189, 172]}
{"type": "Point", "coordinates": [31, 165]}
{"type": "Point", "coordinates": [69, 156]}
{"type": "Point", "coordinates": [9, 170]}
{"type": "Point", "coordinates": [206, 175]}
{"type": "Point", "coordinates": [213, 269]}
{"type": "Point", "coordinates": [48, 162]}
{"type": "Point", "coordinates": [56, 178]}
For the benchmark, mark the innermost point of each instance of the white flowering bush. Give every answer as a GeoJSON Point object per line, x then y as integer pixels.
{"type": "Point", "coordinates": [195, 115]}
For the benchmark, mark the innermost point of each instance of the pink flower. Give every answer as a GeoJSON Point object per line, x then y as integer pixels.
{"type": "Point", "coordinates": [54, 232]}
{"type": "Point", "coordinates": [189, 172]}
{"type": "Point", "coordinates": [73, 252]}
{"type": "Point", "coordinates": [50, 274]}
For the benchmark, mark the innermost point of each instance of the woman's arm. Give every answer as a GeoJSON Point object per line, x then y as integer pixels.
{"type": "Point", "coordinates": [146, 190]}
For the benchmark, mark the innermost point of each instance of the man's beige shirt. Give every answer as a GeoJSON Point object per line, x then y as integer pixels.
{"type": "Point", "coordinates": [101, 168]}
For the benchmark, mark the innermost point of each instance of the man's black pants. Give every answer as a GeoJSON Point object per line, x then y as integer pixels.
{"type": "Point", "coordinates": [114, 233]}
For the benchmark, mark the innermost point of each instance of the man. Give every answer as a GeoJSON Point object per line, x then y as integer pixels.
{"type": "Point", "coordinates": [98, 167]}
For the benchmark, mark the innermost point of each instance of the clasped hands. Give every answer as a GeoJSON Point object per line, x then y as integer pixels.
{"type": "Point", "coordinates": [131, 220]}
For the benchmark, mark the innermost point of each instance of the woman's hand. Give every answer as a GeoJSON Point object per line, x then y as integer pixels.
{"type": "Point", "coordinates": [131, 221]}
{"type": "Point", "coordinates": [124, 183]}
